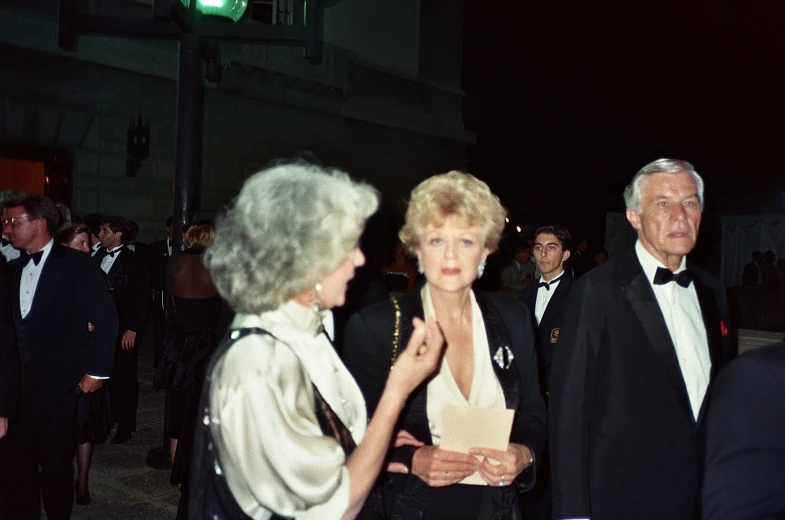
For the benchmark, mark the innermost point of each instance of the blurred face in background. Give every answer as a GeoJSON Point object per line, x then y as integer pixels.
{"type": "Point", "coordinates": [81, 242]}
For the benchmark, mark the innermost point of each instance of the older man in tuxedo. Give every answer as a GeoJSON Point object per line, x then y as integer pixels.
{"type": "Point", "coordinates": [55, 292]}
{"type": "Point", "coordinates": [644, 335]}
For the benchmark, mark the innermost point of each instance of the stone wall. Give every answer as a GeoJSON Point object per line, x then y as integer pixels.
{"type": "Point", "coordinates": [91, 104]}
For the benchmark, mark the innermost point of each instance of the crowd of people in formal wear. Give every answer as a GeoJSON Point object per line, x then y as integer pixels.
{"type": "Point", "coordinates": [612, 370]}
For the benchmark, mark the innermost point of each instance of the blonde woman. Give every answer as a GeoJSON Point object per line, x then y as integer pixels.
{"type": "Point", "coordinates": [453, 222]}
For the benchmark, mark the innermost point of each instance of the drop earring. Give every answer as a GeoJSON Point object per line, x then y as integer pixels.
{"type": "Point", "coordinates": [317, 300]}
{"type": "Point", "coordinates": [420, 268]}
{"type": "Point", "coordinates": [480, 269]}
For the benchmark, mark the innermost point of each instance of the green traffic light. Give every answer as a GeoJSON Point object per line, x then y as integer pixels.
{"type": "Point", "coordinates": [233, 9]}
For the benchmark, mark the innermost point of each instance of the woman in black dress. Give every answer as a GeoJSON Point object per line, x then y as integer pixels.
{"type": "Point", "coordinates": [93, 419]}
{"type": "Point", "coordinates": [453, 223]}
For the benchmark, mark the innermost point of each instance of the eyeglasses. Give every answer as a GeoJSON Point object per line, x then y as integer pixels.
{"type": "Point", "coordinates": [12, 221]}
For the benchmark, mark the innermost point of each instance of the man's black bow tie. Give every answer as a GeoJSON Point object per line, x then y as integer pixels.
{"type": "Point", "coordinates": [115, 252]}
{"type": "Point", "coordinates": [547, 285]}
{"type": "Point", "coordinates": [35, 257]}
{"type": "Point", "coordinates": [5, 242]}
{"type": "Point", "coordinates": [663, 276]}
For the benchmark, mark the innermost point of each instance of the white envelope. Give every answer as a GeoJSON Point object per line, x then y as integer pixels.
{"type": "Point", "coordinates": [465, 427]}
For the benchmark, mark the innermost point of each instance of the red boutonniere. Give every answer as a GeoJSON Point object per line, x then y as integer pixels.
{"type": "Point", "coordinates": [723, 329]}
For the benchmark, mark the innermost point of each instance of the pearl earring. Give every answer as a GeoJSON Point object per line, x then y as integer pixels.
{"type": "Point", "coordinates": [317, 297]}
{"type": "Point", "coordinates": [420, 268]}
{"type": "Point", "coordinates": [480, 269]}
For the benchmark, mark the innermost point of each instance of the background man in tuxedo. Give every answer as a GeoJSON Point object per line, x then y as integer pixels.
{"type": "Point", "coordinates": [55, 292]}
{"type": "Point", "coordinates": [129, 280]}
{"type": "Point", "coordinates": [159, 255]}
{"type": "Point", "coordinates": [545, 299]}
{"type": "Point", "coordinates": [643, 336]}
{"type": "Point", "coordinates": [745, 439]}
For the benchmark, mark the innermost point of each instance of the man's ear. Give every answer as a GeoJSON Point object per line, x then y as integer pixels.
{"type": "Point", "coordinates": [634, 219]}
{"type": "Point", "coordinates": [565, 256]}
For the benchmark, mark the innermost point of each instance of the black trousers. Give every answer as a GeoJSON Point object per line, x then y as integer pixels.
{"type": "Point", "coordinates": [159, 328]}
{"type": "Point", "coordinates": [42, 436]}
{"type": "Point", "coordinates": [124, 387]}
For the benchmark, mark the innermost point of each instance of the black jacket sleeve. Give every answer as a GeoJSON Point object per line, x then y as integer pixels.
{"type": "Point", "coordinates": [745, 439]}
{"type": "Point", "coordinates": [94, 296]}
{"type": "Point", "coordinates": [8, 351]}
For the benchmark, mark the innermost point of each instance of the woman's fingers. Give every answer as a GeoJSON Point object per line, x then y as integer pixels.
{"type": "Point", "coordinates": [397, 467]}
{"type": "Point", "coordinates": [404, 438]}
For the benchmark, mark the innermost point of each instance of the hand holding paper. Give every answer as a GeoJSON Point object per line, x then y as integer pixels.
{"type": "Point", "coordinates": [466, 428]}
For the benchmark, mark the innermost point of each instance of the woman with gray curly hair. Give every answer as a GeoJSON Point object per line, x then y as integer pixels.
{"type": "Point", "coordinates": [284, 431]}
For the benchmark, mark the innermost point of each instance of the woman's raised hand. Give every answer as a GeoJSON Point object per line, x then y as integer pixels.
{"type": "Point", "coordinates": [420, 358]}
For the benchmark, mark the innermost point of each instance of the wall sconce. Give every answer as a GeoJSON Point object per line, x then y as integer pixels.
{"type": "Point", "coordinates": [138, 145]}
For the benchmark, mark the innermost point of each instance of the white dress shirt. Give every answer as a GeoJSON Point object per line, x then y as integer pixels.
{"type": "Point", "coordinates": [486, 391]}
{"type": "Point", "coordinates": [544, 297]}
{"type": "Point", "coordinates": [108, 261]}
{"type": "Point", "coordinates": [31, 273]}
{"type": "Point", "coordinates": [95, 249]}
{"type": "Point", "coordinates": [683, 316]}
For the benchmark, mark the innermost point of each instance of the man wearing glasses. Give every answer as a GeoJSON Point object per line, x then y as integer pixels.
{"type": "Point", "coordinates": [54, 291]}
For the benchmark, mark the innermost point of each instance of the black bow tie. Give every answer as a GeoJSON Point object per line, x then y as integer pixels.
{"type": "Point", "coordinates": [663, 276]}
{"type": "Point", "coordinates": [115, 252]}
{"type": "Point", "coordinates": [5, 242]}
{"type": "Point", "coordinates": [547, 285]}
{"type": "Point", "coordinates": [35, 257]}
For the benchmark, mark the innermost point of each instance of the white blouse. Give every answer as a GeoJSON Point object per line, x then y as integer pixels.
{"type": "Point", "coordinates": [486, 391]}
{"type": "Point", "coordinates": [273, 453]}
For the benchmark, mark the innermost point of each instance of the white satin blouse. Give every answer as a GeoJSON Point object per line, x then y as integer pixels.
{"type": "Point", "coordinates": [271, 448]}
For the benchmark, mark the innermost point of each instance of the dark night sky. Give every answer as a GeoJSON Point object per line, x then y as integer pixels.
{"type": "Point", "coordinates": [570, 98]}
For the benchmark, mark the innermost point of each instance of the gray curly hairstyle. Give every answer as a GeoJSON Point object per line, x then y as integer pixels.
{"type": "Point", "coordinates": [291, 225]}
{"type": "Point", "coordinates": [632, 193]}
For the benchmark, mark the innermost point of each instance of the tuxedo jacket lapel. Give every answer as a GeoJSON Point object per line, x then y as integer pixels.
{"type": "Point", "coordinates": [641, 297]}
{"type": "Point", "coordinates": [499, 345]}
{"type": "Point", "coordinates": [711, 320]}
{"type": "Point", "coordinates": [15, 278]}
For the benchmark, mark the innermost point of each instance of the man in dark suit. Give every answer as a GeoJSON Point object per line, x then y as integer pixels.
{"type": "Point", "coordinates": [8, 381]}
{"type": "Point", "coordinates": [159, 254]}
{"type": "Point", "coordinates": [129, 280]}
{"type": "Point", "coordinates": [745, 439]}
{"type": "Point", "coordinates": [753, 273]}
{"type": "Point", "coordinates": [55, 293]}
{"type": "Point", "coordinates": [643, 336]}
{"type": "Point", "coordinates": [8, 358]}
{"type": "Point", "coordinates": [545, 300]}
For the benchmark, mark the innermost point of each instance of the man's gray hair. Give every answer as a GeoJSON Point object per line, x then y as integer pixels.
{"type": "Point", "coordinates": [291, 225]}
{"type": "Point", "coordinates": [632, 193]}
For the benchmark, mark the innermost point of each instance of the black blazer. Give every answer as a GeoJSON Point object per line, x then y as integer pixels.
{"type": "Point", "coordinates": [745, 439]}
{"type": "Point", "coordinates": [158, 257]}
{"type": "Point", "coordinates": [54, 343]}
{"type": "Point", "coordinates": [368, 351]}
{"type": "Point", "coordinates": [8, 357]}
{"type": "Point", "coordinates": [624, 443]}
{"type": "Point", "coordinates": [550, 325]}
{"type": "Point", "coordinates": [129, 280]}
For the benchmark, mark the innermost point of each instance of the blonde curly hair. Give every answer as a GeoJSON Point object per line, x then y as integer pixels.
{"type": "Point", "coordinates": [451, 194]}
